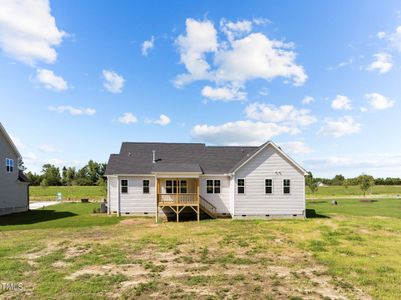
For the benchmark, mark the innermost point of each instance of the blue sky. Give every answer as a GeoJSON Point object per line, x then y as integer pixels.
{"type": "Point", "coordinates": [319, 78]}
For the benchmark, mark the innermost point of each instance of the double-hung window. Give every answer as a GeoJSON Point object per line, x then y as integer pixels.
{"type": "Point", "coordinates": [171, 186]}
{"type": "Point", "coordinates": [145, 186]}
{"type": "Point", "coordinates": [268, 186]}
{"type": "Point", "coordinates": [183, 187]}
{"type": "Point", "coordinates": [213, 186]}
{"type": "Point", "coordinates": [241, 186]}
{"type": "Point", "coordinates": [286, 186]}
{"type": "Point", "coordinates": [124, 186]}
{"type": "Point", "coordinates": [9, 165]}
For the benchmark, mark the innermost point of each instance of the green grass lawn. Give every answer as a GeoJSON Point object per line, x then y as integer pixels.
{"type": "Point", "coordinates": [62, 215]}
{"type": "Point", "coordinates": [352, 250]}
{"type": "Point", "coordinates": [68, 192]}
{"type": "Point", "coordinates": [341, 191]}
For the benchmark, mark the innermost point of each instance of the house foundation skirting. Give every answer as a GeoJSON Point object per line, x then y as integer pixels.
{"type": "Point", "coordinates": [11, 210]}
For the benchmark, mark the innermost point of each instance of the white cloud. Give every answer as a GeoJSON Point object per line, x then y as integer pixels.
{"type": "Point", "coordinates": [163, 120]}
{"type": "Point", "coordinates": [256, 56]}
{"type": "Point", "coordinates": [382, 64]}
{"type": "Point", "coordinates": [343, 64]}
{"type": "Point", "coordinates": [378, 101]}
{"type": "Point", "coordinates": [296, 147]}
{"type": "Point", "coordinates": [50, 80]}
{"type": "Point", "coordinates": [381, 34]}
{"type": "Point", "coordinates": [223, 93]}
{"type": "Point", "coordinates": [242, 57]}
{"type": "Point", "coordinates": [17, 142]}
{"type": "Point", "coordinates": [48, 148]}
{"type": "Point", "coordinates": [147, 46]}
{"type": "Point", "coordinates": [113, 82]}
{"type": "Point", "coordinates": [341, 103]}
{"type": "Point", "coordinates": [75, 111]}
{"type": "Point", "coordinates": [340, 127]}
{"type": "Point", "coordinates": [308, 100]}
{"type": "Point", "coordinates": [235, 29]}
{"type": "Point", "coordinates": [285, 113]}
{"type": "Point", "coordinates": [394, 38]}
{"type": "Point", "coordinates": [28, 31]}
{"type": "Point", "coordinates": [29, 157]}
{"type": "Point", "coordinates": [200, 38]}
{"type": "Point", "coordinates": [238, 133]}
{"type": "Point", "coordinates": [383, 164]}
{"type": "Point", "coordinates": [127, 118]}
{"type": "Point", "coordinates": [363, 109]}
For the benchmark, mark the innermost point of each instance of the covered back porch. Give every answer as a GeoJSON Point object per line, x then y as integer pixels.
{"type": "Point", "coordinates": [178, 193]}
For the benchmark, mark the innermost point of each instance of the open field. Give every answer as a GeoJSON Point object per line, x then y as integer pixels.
{"type": "Point", "coordinates": [68, 192]}
{"type": "Point", "coordinates": [341, 191]}
{"type": "Point", "coordinates": [97, 193]}
{"type": "Point", "coordinates": [347, 251]}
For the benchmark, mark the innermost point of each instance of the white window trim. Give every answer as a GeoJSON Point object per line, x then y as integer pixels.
{"type": "Point", "coordinates": [143, 186]}
{"type": "Point", "coordinates": [121, 186]}
{"type": "Point", "coordinates": [11, 165]}
{"type": "Point", "coordinates": [238, 186]}
{"type": "Point", "coordinates": [213, 186]}
{"type": "Point", "coordinates": [288, 186]}
{"type": "Point", "coordinates": [272, 186]}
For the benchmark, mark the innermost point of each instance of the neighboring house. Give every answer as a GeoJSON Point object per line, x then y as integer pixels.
{"type": "Point", "coordinates": [154, 178]}
{"type": "Point", "coordinates": [14, 186]}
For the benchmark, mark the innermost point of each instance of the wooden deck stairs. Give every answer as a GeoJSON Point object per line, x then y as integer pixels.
{"type": "Point", "coordinates": [207, 207]}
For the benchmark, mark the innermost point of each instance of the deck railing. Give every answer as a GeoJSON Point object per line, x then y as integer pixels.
{"type": "Point", "coordinates": [178, 198]}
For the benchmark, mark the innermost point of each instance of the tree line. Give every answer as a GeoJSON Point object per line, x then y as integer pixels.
{"type": "Point", "coordinates": [341, 180]}
{"type": "Point", "coordinates": [364, 181]}
{"type": "Point", "coordinates": [91, 174]}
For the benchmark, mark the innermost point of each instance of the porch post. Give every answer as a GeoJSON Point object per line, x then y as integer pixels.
{"type": "Point", "coordinates": [118, 197]}
{"type": "Point", "coordinates": [157, 198]}
{"type": "Point", "coordinates": [108, 195]}
{"type": "Point", "coordinates": [197, 194]}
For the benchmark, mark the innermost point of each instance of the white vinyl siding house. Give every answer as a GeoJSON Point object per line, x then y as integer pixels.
{"type": "Point", "coordinates": [270, 164]}
{"type": "Point", "coordinates": [252, 183]}
{"type": "Point", "coordinates": [14, 188]}
{"type": "Point", "coordinates": [220, 200]}
{"type": "Point", "coordinates": [134, 200]}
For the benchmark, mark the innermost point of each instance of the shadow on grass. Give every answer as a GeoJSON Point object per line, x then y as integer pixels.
{"type": "Point", "coordinates": [311, 214]}
{"type": "Point", "coordinates": [34, 216]}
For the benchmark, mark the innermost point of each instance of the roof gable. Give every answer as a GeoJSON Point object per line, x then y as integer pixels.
{"type": "Point", "coordinates": [9, 140]}
{"type": "Point", "coordinates": [261, 148]}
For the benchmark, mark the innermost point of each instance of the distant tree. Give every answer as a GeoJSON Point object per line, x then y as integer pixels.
{"type": "Point", "coordinates": [21, 165]}
{"type": "Point", "coordinates": [312, 183]}
{"type": "Point", "coordinates": [44, 183]}
{"type": "Point", "coordinates": [346, 183]}
{"type": "Point", "coordinates": [70, 175]}
{"type": "Point", "coordinates": [338, 180]}
{"type": "Point", "coordinates": [51, 174]}
{"type": "Point", "coordinates": [365, 182]}
{"type": "Point", "coordinates": [34, 179]}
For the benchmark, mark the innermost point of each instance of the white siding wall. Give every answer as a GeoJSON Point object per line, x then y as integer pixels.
{"type": "Point", "coordinates": [220, 201]}
{"type": "Point", "coordinates": [264, 166]}
{"type": "Point", "coordinates": [135, 201]}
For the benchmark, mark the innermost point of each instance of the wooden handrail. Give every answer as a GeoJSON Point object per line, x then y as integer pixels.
{"type": "Point", "coordinates": [178, 198]}
{"type": "Point", "coordinates": [208, 207]}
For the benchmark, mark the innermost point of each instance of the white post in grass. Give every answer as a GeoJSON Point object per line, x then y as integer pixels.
{"type": "Point", "coordinates": [108, 196]}
{"type": "Point", "coordinates": [118, 197]}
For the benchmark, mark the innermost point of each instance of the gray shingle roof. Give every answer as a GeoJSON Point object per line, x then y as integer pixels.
{"type": "Point", "coordinates": [136, 158]}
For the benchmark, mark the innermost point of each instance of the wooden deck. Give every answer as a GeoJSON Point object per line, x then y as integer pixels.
{"type": "Point", "coordinates": [177, 202]}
